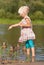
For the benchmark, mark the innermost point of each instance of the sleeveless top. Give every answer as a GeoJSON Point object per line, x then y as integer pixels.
{"type": "Point", "coordinates": [24, 21]}
{"type": "Point", "coordinates": [26, 33]}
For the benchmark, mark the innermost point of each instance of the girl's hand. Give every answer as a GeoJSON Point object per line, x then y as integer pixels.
{"type": "Point", "coordinates": [15, 25]}
{"type": "Point", "coordinates": [10, 27]}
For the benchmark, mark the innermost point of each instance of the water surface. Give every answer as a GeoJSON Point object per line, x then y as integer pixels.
{"type": "Point", "coordinates": [11, 38]}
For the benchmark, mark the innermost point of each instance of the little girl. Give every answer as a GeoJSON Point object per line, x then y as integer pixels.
{"type": "Point", "coordinates": [27, 33]}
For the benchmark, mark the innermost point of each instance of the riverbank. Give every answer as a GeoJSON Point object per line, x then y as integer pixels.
{"type": "Point", "coordinates": [14, 21]}
{"type": "Point", "coordinates": [25, 63]}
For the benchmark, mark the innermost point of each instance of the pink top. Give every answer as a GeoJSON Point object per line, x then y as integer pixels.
{"type": "Point", "coordinates": [26, 33]}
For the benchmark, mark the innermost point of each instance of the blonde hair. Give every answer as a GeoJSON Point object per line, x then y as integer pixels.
{"type": "Point", "coordinates": [23, 9]}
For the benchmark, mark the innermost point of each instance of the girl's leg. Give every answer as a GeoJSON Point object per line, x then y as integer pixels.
{"type": "Point", "coordinates": [27, 47]}
{"type": "Point", "coordinates": [31, 43]}
{"type": "Point", "coordinates": [27, 51]}
{"type": "Point", "coordinates": [33, 54]}
{"type": "Point", "coordinates": [28, 55]}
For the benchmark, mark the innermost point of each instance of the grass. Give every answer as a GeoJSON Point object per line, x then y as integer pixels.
{"type": "Point", "coordinates": [14, 21]}
{"type": "Point", "coordinates": [8, 21]}
{"type": "Point", "coordinates": [38, 22]}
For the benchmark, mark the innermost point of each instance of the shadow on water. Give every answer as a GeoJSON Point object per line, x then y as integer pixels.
{"type": "Point", "coordinates": [11, 37]}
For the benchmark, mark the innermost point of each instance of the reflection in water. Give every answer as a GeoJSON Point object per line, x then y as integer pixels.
{"type": "Point", "coordinates": [40, 54]}
{"type": "Point", "coordinates": [11, 37]}
{"type": "Point", "coordinates": [39, 31]}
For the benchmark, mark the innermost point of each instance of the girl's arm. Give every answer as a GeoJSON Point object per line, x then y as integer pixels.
{"type": "Point", "coordinates": [26, 25]}
{"type": "Point", "coordinates": [14, 25]}
{"type": "Point", "coordinates": [21, 24]}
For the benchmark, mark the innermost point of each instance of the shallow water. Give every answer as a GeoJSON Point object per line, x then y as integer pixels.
{"type": "Point", "coordinates": [11, 38]}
